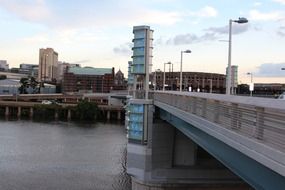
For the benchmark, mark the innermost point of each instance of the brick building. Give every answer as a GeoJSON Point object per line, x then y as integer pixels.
{"type": "Point", "coordinates": [88, 79]}
{"type": "Point", "coordinates": [198, 81]}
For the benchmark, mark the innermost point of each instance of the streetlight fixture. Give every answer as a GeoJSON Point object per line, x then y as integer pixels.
{"type": "Point", "coordinates": [251, 86]}
{"type": "Point", "coordinates": [168, 63]}
{"type": "Point", "coordinates": [240, 20]}
{"type": "Point", "coordinates": [283, 69]}
{"type": "Point", "coordinates": [186, 51]}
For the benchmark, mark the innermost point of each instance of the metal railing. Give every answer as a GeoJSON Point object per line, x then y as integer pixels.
{"type": "Point", "coordinates": [260, 119]}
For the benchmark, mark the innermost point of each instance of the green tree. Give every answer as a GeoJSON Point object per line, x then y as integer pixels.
{"type": "Point", "coordinates": [24, 86]}
{"type": "Point", "coordinates": [87, 110]}
{"type": "Point", "coordinates": [30, 82]}
{"type": "Point", "coordinates": [34, 85]}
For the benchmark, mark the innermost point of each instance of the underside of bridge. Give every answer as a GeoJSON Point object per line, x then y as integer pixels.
{"type": "Point", "coordinates": [171, 160]}
{"type": "Point", "coordinates": [255, 174]}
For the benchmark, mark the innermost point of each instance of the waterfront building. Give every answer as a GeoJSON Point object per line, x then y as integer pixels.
{"type": "Point", "coordinates": [119, 81]}
{"type": "Point", "coordinates": [4, 66]}
{"type": "Point", "coordinates": [88, 79]}
{"type": "Point", "coordinates": [62, 68]}
{"type": "Point", "coordinates": [198, 81]}
{"type": "Point", "coordinates": [48, 63]}
{"type": "Point", "coordinates": [29, 69]}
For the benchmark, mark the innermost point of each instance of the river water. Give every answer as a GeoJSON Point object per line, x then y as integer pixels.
{"type": "Point", "coordinates": [63, 156]}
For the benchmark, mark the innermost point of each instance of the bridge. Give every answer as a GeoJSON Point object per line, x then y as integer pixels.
{"type": "Point", "coordinates": [109, 103]}
{"type": "Point", "coordinates": [168, 134]}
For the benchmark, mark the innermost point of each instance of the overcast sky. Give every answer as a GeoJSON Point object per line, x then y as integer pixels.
{"type": "Point", "coordinates": [99, 33]}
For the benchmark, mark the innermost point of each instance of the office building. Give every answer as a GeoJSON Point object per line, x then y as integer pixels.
{"type": "Point", "coordinates": [88, 79]}
{"type": "Point", "coordinates": [4, 66]}
{"type": "Point", "coordinates": [48, 63]}
{"type": "Point", "coordinates": [29, 69]}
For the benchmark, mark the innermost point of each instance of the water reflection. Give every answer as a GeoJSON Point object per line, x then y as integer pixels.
{"type": "Point", "coordinates": [62, 155]}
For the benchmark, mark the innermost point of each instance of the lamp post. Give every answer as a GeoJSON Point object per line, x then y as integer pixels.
{"type": "Point", "coordinates": [163, 88]}
{"type": "Point", "coordinates": [241, 20]}
{"type": "Point", "coordinates": [186, 51]}
{"type": "Point", "coordinates": [251, 83]}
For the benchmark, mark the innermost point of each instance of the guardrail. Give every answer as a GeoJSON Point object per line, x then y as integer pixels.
{"type": "Point", "coordinates": [260, 119]}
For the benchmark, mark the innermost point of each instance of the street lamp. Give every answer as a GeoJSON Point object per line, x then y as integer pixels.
{"type": "Point", "coordinates": [186, 51]}
{"type": "Point", "coordinates": [251, 83]}
{"type": "Point", "coordinates": [163, 88]}
{"type": "Point", "coordinates": [283, 69]}
{"type": "Point", "coordinates": [241, 20]}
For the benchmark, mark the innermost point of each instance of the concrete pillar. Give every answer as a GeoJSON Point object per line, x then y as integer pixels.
{"type": "Point", "coordinates": [6, 111]}
{"type": "Point", "coordinates": [259, 128]}
{"type": "Point", "coordinates": [56, 114]}
{"type": "Point", "coordinates": [185, 150]}
{"type": "Point", "coordinates": [119, 115]}
{"type": "Point", "coordinates": [108, 115]}
{"type": "Point", "coordinates": [31, 113]}
{"type": "Point", "coordinates": [19, 112]}
{"type": "Point", "coordinates": [68, 114]}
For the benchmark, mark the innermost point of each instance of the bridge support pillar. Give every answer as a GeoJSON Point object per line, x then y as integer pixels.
{"type": "Point", "coordinates": [68, 115]}
{"type": "Point", "coordinates": [7, 111]}
{"type": "Point", "coordinates": [31, 113]}
{"type": "Point", "coordinates": [185, 150]}
{"type": "Point", "coordinates": [56, 115]}
{"type": "Point", "coordinates": [19, 113]}
{"type": "Point", "coordinates": [119, 115]}
{"type": "Point", "coordinates": [108, 115]}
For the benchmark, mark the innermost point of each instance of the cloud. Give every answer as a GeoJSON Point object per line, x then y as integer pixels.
{"type": "Point", "coordinates": [257, 4]}
{"type": "Point", "coordinates": [96, 14]}
{"type": "Point", "coordinates": [207, 11]}
{"type": "Point", "coordinates": [281, 31]}
{"type": "Point", "coordinates": [270, 70]}
{"type": "Point", "coordinates": [191, 38]}
{"type": "Point", "coordinates": [280, 1]}
{"type": "Point", "coordinates": [30, 10]}
{"type": "Point", "coordinates": [236, 29]}
{"type": "Point", "coordinates": [271, 16]}
{"type": "Point", "coordinates": [124, 49]}
{"type": "Point", "coordinates": [211, 34]}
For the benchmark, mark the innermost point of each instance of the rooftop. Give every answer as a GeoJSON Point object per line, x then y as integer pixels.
{"type": "Point", "coordinates": [90, 71]}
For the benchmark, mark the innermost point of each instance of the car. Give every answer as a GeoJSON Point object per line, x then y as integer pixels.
{"type": "Point", "coordinates": [282, 96]}
{"type": "Point", "coordinates": [46, 102]}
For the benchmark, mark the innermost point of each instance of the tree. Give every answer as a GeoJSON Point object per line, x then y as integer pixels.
{"type": "Point", "coordinates": [24, 86]}
{"type": "Point", "coordinates": [27, 83]}
{"type": "Point", "coordinates": [87, 110]}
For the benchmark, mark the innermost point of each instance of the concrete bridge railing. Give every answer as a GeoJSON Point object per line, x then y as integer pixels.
{"type": "Point", "coordinates": [255, 125]}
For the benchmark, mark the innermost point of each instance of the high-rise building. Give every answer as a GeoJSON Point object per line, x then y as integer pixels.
{"type": "Point", "coordinates": [48, 62]}
{"type": "Point", "coordinates": [4, 66]}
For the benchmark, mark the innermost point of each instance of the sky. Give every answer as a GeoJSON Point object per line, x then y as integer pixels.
{"type": "Point", "coordinates": [98, 33]}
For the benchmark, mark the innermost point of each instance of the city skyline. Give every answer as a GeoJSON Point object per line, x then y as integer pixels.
{"type": "Point", "coordinates": [100, 35]}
